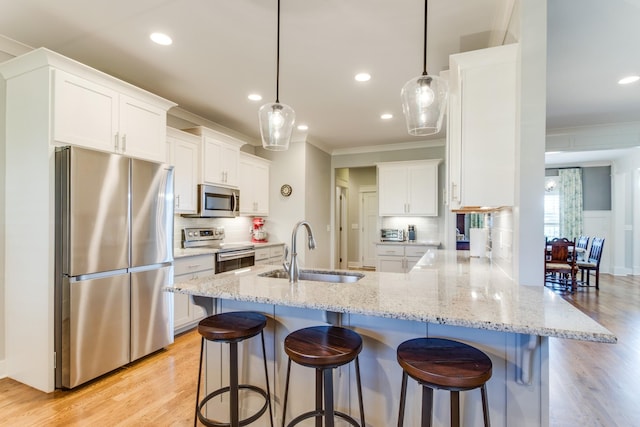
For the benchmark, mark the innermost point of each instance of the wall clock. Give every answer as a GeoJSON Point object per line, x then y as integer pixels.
{"type": "Point", "coordinates": [286, 190]}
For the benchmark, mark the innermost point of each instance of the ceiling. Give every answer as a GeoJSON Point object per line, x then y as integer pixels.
{"type": "Point", "coordinates": [225, 49]}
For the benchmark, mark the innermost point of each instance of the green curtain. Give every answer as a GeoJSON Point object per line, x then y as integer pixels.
{"type": "Point", "coordinates": [570, 190]}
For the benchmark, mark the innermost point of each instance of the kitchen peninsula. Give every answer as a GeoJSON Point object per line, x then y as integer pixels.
{"type": "Point", "coordinates": [447, 294]}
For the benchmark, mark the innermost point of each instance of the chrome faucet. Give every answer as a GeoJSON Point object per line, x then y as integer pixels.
{"type": "Point", "coordinates": [292, 267]}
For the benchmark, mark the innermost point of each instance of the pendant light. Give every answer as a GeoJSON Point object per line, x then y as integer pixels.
{"type": "Point", "coordinates": [424, 98]}
{"type": "Point", "coordinates": [276, 119]}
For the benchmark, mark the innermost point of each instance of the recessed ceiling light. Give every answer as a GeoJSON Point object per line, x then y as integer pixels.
{"type": "Point", "coordinates": [628, 79]}
{"type": "Point", "coordinates": [303, 127]}
{"type": "Point", "coordinates": [255, 97]}
{"type": "Point", "coordinates": [363, 77]}
{"type": "Point", "coordinates": [161, 38]}
{"type": "Point", "coordinates": [386, 116]}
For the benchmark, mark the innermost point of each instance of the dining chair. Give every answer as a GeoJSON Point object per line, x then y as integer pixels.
{"type": "Point", "coordinates": [592, 263]}
{"type": "Point", "coordinates": [582, 242]}
{"type": "Point", "coordinates": [560, 262]}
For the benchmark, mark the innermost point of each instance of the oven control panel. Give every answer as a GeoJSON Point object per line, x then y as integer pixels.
{"type": "Point", "coordinates": [194, 237]}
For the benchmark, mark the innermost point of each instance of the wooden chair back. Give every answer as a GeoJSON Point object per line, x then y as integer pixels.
{"type": "Point", "coordinates": [595, 254]}
{"type": "Point", "coordinates": [561, 251]}
{"type": "Point", "coordinates": [582, 242]}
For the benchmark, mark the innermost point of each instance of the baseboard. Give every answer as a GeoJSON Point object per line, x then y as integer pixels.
{"type": "Point", "coordinates": [621, 271]}
{"type": "Point", "coordinates": [3, 370]}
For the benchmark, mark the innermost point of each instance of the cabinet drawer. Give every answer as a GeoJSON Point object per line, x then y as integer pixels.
{"type": "Point", "coordinates": [262, 253]}
{"type": "Point", "coordinates": [415, 251]}
{"type": "Point", "coordinates": [276, 251]}
{"type": "Point", "coordinates": [193, 263]}
{"type": "Point", "coordinates": [391, 250]}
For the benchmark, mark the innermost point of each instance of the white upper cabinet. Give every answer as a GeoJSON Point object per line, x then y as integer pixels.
{"type": "Point", "coordinates": [408, 188]}
{"type": "Point", "coordinates": [220, 157]}
{"type": "Point", "coordinates": [94, 115]}
{"type": "Point", "coordinates": [482, 127]}
{"type": "Point", "coordinates": [184, 149]}
{"type": "Point", "coordinates": [254, 185]}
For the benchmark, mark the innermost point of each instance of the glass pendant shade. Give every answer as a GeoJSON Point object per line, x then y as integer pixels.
{"type": "Point", "coordinates": [424, 100]}
{"type": "Point", "coordinates": [276, 125]}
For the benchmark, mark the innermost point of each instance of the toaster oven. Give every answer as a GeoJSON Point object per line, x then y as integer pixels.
{"type": "Point", "coordinates": [392, 235]}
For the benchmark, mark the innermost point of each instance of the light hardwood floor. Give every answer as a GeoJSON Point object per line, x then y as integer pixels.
{"type": "Point", "coordinates": [591, 384]}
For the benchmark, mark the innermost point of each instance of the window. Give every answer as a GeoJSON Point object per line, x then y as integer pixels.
{"type": "Point", "coordinates": [551, 208]}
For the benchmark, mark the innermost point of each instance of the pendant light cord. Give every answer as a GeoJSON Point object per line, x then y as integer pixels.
{"type": "Point", "coordinates": [278, 59]}
{"type": "Point", "coordinates": [424, 62]}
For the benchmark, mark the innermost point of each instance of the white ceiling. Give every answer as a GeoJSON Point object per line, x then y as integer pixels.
{"type": "Point", "coordinates": [225, 49]}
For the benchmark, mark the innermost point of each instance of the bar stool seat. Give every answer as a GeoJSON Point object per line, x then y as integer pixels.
{"type": "Point", "coordinates": [232, 328]}
{"type": "Point", "coordinates": [323, 348]}
{"type": "Point", "coordinates": [437, 363]}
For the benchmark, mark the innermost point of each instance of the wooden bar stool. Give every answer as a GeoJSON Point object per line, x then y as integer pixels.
{"type": "Point", "coordinates": [232, 328]}
{"type": "Point", "coordinates": [437, 363]}
{"type": "Point", "coordinates": [323, 348]}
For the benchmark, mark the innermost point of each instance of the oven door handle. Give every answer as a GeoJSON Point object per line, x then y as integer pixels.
{"type": "Point", "coordinates": [227, 256]}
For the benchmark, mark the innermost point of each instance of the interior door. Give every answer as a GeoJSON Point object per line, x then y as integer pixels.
{"type": "Point", "coordinates": [369, 232]}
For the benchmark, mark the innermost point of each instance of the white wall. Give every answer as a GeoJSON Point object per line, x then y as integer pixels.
{"type": "Point", "coordinates": [8, 49]}
{"type": "Point", "coordinates": [317, 206]}
{"type": "Point", "coordinates": [528, 212]}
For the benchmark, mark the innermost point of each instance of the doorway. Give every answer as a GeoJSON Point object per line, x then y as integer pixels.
{"type": "Point", "coordinates": [355, 224]}
{"type": "Point", "coordinates": [369, 233]}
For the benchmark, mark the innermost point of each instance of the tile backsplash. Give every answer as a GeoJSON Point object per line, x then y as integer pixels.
{"type": "Point", "coordinates": [235, 229]}
{"type": "Point", "coordinates": [427, 228]}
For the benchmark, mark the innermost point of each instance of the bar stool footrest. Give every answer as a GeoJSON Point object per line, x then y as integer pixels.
{"type": "Point", "coordinates": [313, 414]}
{"type": "Point", "coordinates": [211, 423]}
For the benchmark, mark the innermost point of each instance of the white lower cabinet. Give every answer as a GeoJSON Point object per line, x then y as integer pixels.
{"type": "Point", "coordinates": [185, 313]}
{"type": "Point", "coordinates": [270, 255]}
{"type": "Point", "coordinates": [398, 258]}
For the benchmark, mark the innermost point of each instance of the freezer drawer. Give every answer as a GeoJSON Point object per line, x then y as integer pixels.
{"type": "Point", "coordinates": [151, 311]}
{"type": "Point", "coordinates": [98, 328]}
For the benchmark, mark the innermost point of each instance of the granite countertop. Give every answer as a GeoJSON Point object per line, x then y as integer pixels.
{"type": "Point", "coordinates": [416, 243]}
{"type": "Point", "coordinates": [445, 287]}
{"type": "Point", "coordinates": [187, 252]}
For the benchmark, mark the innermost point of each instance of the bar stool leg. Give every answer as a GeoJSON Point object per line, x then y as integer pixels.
{"type": "Point", "coordinates": [195, 418]}
{"type": "Point", "coordinates": [427, 406]}
{"type": "Point", "coordinates": [328, 398]}
{"type": "Point", "coordinates": [455, 409]}
{"type": "Point", "coordinates": [359, 383]}
{"type": "Point", "coordinates": [318, 397]}
{"type": "Point", "coordinates": [403, 397]}
{"type": "Point", "coordinates": [233, 385]}
{"type": "Point", "coordinates": [286, 392]}
{"type": "Point", "coordinates": [485, 406]}
{"type": "Point", "coordinates": [266, 376]}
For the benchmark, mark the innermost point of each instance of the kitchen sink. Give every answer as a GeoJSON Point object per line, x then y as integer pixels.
{"type": "Point", "coordinates": [317, 275]}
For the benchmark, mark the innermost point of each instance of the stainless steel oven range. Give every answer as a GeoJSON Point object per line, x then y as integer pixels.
{"type": "Point", "coordinates": [229, 256]}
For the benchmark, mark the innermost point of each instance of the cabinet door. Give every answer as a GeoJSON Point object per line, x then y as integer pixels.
{"type": "Point", "coordinates": [142, 129]}
{"type": "Point", "coordinates": [212, 161]}
{"type": "Point", "coordinates": [247, 187]}
{"type": "Point", "coordinates": [84, 113]}
{"type": "Point", "coordinates": [261, 194]}
{"type": "Point", "coordinates": [392, 190]}
{"type": "Point", "coordinates": [254, 186]}
{"type": "Point", "coordinates": [230, 164]}
{"type": "Point", "coordinates": [423, 190]}
{"type": "Point", "coordinates": [185, 160]}
{"type": "Point", "coordinates": [390, 264]}
{"type": "Point", "coordinates": [482, 137]}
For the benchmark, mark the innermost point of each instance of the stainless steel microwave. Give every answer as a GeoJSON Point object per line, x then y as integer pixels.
{"type": "Point", "coordinates": [217, 202]}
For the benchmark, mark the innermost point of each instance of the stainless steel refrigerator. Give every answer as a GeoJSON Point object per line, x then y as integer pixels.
{"type": "Point", "coordinates": [114, 253]}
